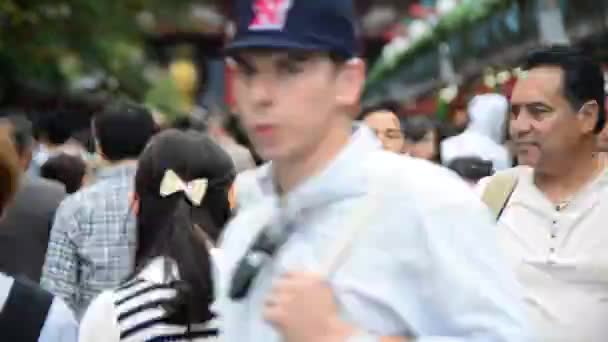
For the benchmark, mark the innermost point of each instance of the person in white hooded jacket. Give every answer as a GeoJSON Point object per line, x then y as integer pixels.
{"type": "Point", "coordinates": [484, 135]}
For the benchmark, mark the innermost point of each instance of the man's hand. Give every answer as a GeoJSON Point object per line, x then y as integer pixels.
{"type": "Point", "coordinates": [303, 308]}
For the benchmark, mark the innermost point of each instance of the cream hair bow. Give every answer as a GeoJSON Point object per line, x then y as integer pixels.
{"type": "Point", "coordinates": [195, 190]}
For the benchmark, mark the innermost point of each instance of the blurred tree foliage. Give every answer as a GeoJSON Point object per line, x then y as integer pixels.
{"type": "Point", "coordinates": [56, 46]}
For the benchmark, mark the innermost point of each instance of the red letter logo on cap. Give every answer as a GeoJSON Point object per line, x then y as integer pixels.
{"type": "Point", "coordinates": [269, 14]}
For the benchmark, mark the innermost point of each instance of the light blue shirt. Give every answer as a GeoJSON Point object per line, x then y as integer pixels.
{"type": "Point", "coordinates": [60, 324]}
{"type": "Point", "coordinates": [428, 265]}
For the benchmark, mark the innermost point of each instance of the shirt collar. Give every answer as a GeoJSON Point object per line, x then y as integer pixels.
{"type": "Point", "coordinates": [344, 176]}
{"type": "Point", "coordinates": [124, 169]}
{"type": "Point", "coordinates": [530, 195]}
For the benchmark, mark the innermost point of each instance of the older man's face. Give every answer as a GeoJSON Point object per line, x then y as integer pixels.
{"type": "Point", "coordinates": [544, 126]}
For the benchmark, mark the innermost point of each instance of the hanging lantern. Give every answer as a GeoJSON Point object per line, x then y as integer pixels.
{"type": "Point", "coordinates": [185, 75]}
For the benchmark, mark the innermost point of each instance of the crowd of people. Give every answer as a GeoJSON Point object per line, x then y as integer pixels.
{"type": "Point", "coordinates": [359, 226]}
{"type": "Point", "coordinates": [474, 153]}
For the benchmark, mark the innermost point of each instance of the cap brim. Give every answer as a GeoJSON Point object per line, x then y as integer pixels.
{"type": "Point", "coordinates": [266, 42]}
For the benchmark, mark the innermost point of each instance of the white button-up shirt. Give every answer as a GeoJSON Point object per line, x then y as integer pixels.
{"type": "Point", "coordinates": [560, 255]}
{"type": "Point", "coordinates": [426, 265]}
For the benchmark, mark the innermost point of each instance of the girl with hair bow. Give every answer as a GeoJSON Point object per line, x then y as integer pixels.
{"type": "Point", "coordinates": [181, 204]}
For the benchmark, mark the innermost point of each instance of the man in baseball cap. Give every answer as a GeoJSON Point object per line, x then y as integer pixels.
{"type": "Point", "coordinates": [314, 26]}
{"type": "Point", "coordinates": [346, 241]}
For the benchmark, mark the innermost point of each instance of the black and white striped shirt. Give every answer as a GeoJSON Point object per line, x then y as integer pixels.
{"type": "Point", "coordinates": [133, 313]}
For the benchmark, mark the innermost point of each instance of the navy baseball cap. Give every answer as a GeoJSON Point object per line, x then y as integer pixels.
{"type": "Point", "coordinates": [308, 25]}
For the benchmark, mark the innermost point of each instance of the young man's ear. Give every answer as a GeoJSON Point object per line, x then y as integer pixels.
{"type": "Point", "coordinates": [351, 78]}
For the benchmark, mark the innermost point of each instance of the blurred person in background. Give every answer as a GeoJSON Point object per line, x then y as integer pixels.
{"type": "Point", "coordinates": [384, 122]}
{"type": "Point", "coordinates": [28, 313]}
{"type": "Point", "coordinates": [25, 228]}
{"type": "Point", "coordinates": [218, 130]}
{"type": "Point", "coordinates": [458, 121]}
{"type": "Point", "coordinates": [71, 171]}
{"type": "Point", "coordinates": [552, 218]}
{"type": "Point", "coordinates": [190, 122]}
{"type": "Point", "coordinates": [236, 130]}
{"type": "Point", "coordinates": [54, 136]}
{"type": "Point", "coordinates": [85, 138]}
{"type": "Point", "coordinates": [93, 237]}
{"type": "Point", "coordinates": [243, 190]}
{"type": "Point", "coordinates": [422, 138]}
{"type": "Point", "coordinates": [181, 205]}
{"type": "Point", "coordinates": [484, 136]}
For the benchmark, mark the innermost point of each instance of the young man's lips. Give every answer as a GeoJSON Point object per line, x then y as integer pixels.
{"type": "Point", "coordinates": [263, 129]}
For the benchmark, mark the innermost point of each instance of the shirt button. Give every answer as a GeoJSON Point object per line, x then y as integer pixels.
{"type": "Point", "coordinates": [552, 250]}
{"type": "Point", "coordinates": [553, 236]}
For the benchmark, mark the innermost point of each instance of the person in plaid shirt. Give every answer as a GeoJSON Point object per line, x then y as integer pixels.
{"type": "Point", "coordinates": [92, 241]}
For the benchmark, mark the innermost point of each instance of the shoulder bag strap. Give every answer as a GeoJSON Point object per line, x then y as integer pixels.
{"type": "Point", "coordinates": [498, 192]}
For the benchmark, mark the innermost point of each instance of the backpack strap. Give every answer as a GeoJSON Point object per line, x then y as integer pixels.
{"type": "Point", "coordinates": [498, 192]}
{"type": "Point", "coordinates": [360, 220]}
{"type": "Point", "coordinates": [24, 312]}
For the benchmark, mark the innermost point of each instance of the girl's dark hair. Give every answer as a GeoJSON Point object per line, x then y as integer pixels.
{"type": "Point", "coordinates": [169, 226]}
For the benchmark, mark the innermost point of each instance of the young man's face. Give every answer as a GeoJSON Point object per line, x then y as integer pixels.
{"type": "Point", "coordinates": [289, 102]}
